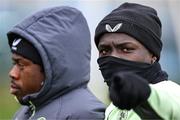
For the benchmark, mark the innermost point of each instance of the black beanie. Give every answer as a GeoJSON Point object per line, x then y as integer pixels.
{"type": "Point", "coordinates": [24, 48]}
{"type": "Point", "coordinates": [138, 21]}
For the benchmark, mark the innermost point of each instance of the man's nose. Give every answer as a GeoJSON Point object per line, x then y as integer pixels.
{"type": "Point", "coordinates": [14, 73]}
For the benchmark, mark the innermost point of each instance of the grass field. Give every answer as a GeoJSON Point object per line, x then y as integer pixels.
{"type": "Point", "coordinates": [8, 105]}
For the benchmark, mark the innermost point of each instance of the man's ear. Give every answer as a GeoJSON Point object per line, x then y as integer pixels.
{"type": "Point", "coordinates": [153, 60]}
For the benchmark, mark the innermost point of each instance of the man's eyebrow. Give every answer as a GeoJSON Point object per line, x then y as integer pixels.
{"type": "Point", "coordinates": [103, 46]}
{"type": "Point", "coordinates": [16, 59]}
{"type": "Point", "coordinates": [121, 44]}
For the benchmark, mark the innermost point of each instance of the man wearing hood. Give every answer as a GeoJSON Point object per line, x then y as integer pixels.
{"type": "Point", "coordinates": [129, 44]}
{"type": "Point", "coordinates": [51, 53]}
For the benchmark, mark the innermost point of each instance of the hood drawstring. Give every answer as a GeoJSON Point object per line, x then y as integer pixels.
{"type": "Point", "coordinates": [32, 109]}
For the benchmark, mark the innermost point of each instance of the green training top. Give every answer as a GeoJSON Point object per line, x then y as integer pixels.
{"type": "Point", "coordinates": [164, 101]}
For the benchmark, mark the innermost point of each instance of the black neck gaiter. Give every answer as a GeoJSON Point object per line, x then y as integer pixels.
{"type": "Point", "coordinates": [151, 72]}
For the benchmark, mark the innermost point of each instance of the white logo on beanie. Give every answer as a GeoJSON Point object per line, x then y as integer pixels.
{"type": "Point", "coordinates": [116, 27]}
{"type": "Point", "coordinates": [15, 43]}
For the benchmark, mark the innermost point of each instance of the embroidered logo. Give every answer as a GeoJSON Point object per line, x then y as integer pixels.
{"type": "Point", "coordinates": [15, 43]}
{"type": "Point", "coordinates": [123, 115]}
{"type": "Point", "coordinates": [116, 27]}
{"type": "Point", "coordinates": [41, 118]}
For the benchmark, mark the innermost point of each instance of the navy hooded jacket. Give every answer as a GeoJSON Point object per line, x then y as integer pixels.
{"type": "Point", "coordinates": [62, 38]}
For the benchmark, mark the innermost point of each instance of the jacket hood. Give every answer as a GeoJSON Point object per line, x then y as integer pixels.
{"type": "Point", "coordinates": [62, 38]}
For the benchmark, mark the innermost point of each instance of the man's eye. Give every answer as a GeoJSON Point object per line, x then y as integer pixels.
{"type": "Point", "coordinates": [21, 66]}
{"type": "Point", "coordinates": [13, 63]}
{"type": "Point", "coordinates": [127, 49]}
{"type": "Point", "coordinates": [103, 52]}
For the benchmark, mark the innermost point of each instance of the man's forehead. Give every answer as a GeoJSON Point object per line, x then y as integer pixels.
{"type": "Point", "coordinates": [18, 57]}
{"type": "Point", "coordinates": [15, 55]}
{"type": "Point", "coordinates": [116, 38]}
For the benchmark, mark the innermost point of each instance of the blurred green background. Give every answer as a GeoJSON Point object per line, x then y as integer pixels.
{"type": "Point", "coordinates": [13, 11]}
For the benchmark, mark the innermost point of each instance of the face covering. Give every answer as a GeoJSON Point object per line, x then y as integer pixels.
{"type": "Point", "coordinates": [110, 65]}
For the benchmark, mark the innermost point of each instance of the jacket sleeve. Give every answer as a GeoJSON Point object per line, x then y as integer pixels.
{"type": "Point", "coordinates": [163, 102]}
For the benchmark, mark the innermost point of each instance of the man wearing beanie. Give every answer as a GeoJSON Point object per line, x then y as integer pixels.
{"type": "Point", "coordinates": [129, 44]}
{"type": "Point", "coordinates": [51, 67]}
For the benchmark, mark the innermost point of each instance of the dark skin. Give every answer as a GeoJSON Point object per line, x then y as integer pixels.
{"type": "Point", "coordinates": [124, 91]}
{"type": "Point", "coordinates": [125, 47]}
{"type": "Point", "coordinates": [26, 77]}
